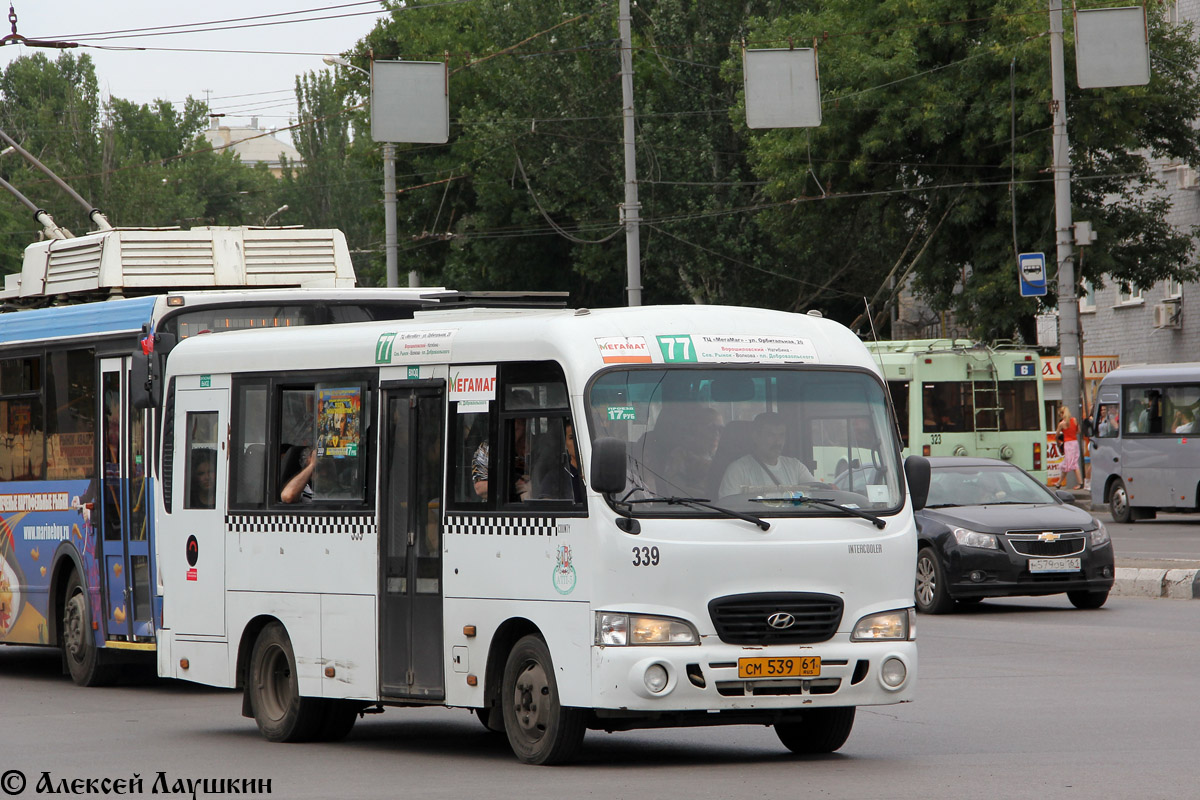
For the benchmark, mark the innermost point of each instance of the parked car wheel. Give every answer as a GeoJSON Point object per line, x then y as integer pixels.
{"type": "Point", "coordinates": [932, 595]}
{"type": "Point", "coordinates": [1083, 599]}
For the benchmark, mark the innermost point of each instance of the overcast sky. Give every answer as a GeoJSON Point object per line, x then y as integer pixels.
{"type": "Point", "coordinates": [242, 85]}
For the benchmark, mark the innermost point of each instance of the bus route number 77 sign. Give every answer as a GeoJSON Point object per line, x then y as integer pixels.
{"type": "Point", "coordinates": [1032, 269]}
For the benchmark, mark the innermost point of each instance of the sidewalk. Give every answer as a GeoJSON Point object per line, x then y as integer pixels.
{"type": "Point", "coordinates": [1174, 579]}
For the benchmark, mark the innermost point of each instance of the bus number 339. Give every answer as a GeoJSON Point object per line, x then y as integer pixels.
{"type": "Point", "coordinates": [645, 556]}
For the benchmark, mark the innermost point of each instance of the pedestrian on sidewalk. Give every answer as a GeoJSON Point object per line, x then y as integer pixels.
{"type": "Point", "coordinates": [1068, 426]}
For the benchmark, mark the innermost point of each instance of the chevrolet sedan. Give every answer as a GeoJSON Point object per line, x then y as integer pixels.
{"type": "Point", "coordinates": [989, 529]}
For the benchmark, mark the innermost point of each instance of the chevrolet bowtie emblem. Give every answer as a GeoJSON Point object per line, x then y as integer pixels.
{"type": "Point", "coordinates": [1048, 537]}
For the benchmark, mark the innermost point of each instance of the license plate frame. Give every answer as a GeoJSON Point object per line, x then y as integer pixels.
{"type": "Point", "coordinates": [771, 667]}
{"type": "Point", "coordinates": [1042, 566]}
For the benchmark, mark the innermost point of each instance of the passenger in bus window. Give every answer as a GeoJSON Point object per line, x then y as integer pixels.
{"type": "Point", "coordinates": [204, 479]}
{"type": "Point", "coordinates": [481, 465]}
{"type": "Point", "coordinates": [556, 474]}
{"type": "Point", "coordinates": [298, 488]}
{"type": "Point", "coordinates": [765, 466]}
{"type": "Point", "coordinates": [1184, 422]}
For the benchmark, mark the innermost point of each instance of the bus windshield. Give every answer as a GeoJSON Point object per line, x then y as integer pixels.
{"type": "Point", "coordinates": [756, 440]}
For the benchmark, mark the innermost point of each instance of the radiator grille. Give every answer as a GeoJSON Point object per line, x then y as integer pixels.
{"type": "Point", "coordinates": [743, 618]}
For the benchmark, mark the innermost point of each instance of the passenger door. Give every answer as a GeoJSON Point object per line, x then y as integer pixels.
{"type": "Point", "coordinates": [410, 616]}
{"type": "Point", "coordinates": [194, 553]}
{"type": "Point", "coordinates": [123, 505]}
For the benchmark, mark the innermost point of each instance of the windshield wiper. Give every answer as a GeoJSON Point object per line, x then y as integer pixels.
{"type": "Point", "coordinates": [701, 502]}
{"type": "Point", "coordinates": [826, 503]}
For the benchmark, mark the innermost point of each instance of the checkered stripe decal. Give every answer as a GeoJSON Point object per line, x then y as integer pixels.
{"type": "Point", "coordinates": [502, 526]}
{"type": "Point", "coordinates": [289, 523]}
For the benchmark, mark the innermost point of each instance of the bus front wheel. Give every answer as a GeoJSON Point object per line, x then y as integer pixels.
{"type": "Point", "coordinates": [1118, 502]}
{"type": "Point", "coordinates": [86, 663]}
{"type": "Point", "coordinates": [540, 730]}
{"type": "Point", "coordinates": [819, 730]}
{"type": "Point", "coordinates": [281, 713]}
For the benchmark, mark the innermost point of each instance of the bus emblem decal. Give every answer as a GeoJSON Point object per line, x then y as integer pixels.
{"type": "Point", "coordinates": [781, 620]}
{"type": "Point", "coordinates": [563, 576]}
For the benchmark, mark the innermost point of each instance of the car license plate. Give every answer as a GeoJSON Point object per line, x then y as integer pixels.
{"type": "Point", "coordinates": [780, 667]}
{"type": "Point", "coordinates": [1054, 565]}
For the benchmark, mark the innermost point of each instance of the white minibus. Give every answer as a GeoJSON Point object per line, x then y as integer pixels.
{"type": "Point", "coordinates": [563, 520]}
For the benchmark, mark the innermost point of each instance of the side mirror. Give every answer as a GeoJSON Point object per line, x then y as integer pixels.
{"type": "Point", "coordinates": [608, 465]}
{"type": "Point", "coordinates": [147, 371]}
{"type": "Point", "coordinates": [916, 470]}
{"type": "Point", "coordinates": [1065, 496]}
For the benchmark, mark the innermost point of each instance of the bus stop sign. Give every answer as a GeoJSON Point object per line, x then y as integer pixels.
{"type": "Point", "coordinates": [1032, 269]}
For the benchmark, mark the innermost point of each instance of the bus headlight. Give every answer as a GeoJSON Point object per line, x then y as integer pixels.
{"type": "Point", "coordinates": [899, 625]}
{"type": "Point", "coordinates": [619, 630]}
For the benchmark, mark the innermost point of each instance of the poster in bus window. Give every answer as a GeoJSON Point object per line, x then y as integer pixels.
{"type": "Point", "coordinates": [339, 410]}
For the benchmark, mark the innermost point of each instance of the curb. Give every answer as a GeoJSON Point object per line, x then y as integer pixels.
{"type": "Point", "coordinates": [1173, 584]}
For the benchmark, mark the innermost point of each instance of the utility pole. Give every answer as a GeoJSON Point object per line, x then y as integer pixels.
{"type": "Point", "coordinates": [1068, 305]}
{"type": "Point", "coordinates": [631, 210]}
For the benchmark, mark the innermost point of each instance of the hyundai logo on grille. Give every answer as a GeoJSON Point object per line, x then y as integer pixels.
{"type": "Point", "coordinates": [781, 620]}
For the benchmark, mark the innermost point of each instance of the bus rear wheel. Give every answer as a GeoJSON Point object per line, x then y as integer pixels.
{"type": "Point", "coordinates": [819, 730]}
{"type": "Point", "coordinates": [281, 713]}
{"type": "Point", "coordinates": [86, 663]}
{"type": "Point", "coordinates": [540, 730]}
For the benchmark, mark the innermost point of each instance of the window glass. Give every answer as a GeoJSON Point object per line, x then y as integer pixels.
{"type": "Point", "coordinates": [22, 434]}
{"type": "Point", "coordinates": [111, 454]}
{"type": "Point", "coordinates": [950, 406]}
{"type": "Point", "coordinates": [138, 485]}
{"type": "Point", "coordinates": [201, 469]}
{"type": "Point", "coordinates": [899, 391]}
{"type": "Point", "coordinates": [71, 415]}
{"type": "Point", "coordinates": [1143, 410]}
{"type": "Point", "coordinates": [1108, 420]}
{"type": "Point", "coordinates": [754, 440]}
{"type": "Point", "coordinates": [250, 445]}
{"type": "Point", "coordinates": [472, 452]}
{"type": "Point", "coordinates": [1182, 405]}
{"type": "Point", "coordinates": [321, 452]}
{"type": "Point", "coordinates": [339, 470]}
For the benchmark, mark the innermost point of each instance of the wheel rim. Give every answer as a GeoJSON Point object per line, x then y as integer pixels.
{"type": "Point", "coordinates": [926, 581]}
{"type": "Point", "coordinates": [275, 688]}
{"type": "Point", "coordinates": [531, 696]}
{"type": "Point", "coordinates": [73, 627]}
{"type": "Point", "coordinates": [1119, 501]}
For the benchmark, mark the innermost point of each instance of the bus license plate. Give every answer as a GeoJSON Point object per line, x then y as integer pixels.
{"type": "Point", "coordinates": [793, 667]}
{"type": "Point", "coordinates": [1054, 565]}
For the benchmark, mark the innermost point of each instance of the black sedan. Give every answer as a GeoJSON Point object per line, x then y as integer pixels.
{"type": "Point", "coordinates": [990, 529]}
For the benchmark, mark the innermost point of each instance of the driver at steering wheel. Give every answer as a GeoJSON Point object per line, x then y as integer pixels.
{"type": "Point", "coordinates": [765, 466]}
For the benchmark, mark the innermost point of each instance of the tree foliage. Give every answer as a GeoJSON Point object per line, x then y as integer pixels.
{"type": "Point", "coordinates": [937, 125]}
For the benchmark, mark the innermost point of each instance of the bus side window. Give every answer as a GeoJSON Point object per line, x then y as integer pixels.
{"type": "Point", "coordinates": [201, 467]}
{"type": "Point", "coordinates": [249, 445]}
{"type": "Point", "coordinates": [471, 448]}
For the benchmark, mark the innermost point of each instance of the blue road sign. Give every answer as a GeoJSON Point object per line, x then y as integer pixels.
{"type": "Point", "coordinates": [1032, 269]}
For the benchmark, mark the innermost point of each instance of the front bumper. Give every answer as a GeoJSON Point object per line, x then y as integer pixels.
{"type": "Point", "coordinates": [975, 572]}
{"type": "Point", "coordinates": [703, 680]}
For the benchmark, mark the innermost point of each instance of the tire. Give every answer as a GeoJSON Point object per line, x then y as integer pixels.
{"type": "Point", "coordinates": [1088, 600]}
{"type": "Point", "coordinates": [88, 665]}
{"type": "Point", "coordinates": [819, 730]}
{"type": "Point", "coordinates": [339, 719]}
{"type": "Point", "coordinates": [539, 729]}
{"type": "Point", "coordinates": [932, 595]}
{"type": "Point", "coordinates": [1118, 502]}
{"type": "Point", "coordinates": [969, 601]}
{"type": "Point", "coordinates": [281, 713]}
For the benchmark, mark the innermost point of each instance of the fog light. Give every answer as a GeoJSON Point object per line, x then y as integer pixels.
{"type": "Point", "coordinates": [893, 672]}
{"type": "Point", "coordinates": [1107, 571]}
{"type": "Point", "coordinates": [976, 576]}
{"type": "Point", "coordinates": [656, 678]}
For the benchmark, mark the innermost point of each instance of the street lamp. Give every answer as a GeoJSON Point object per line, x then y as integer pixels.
{"type": "Point", "coordinates": [390, 242]}
{"type": "Point", "coordinates": [274, 214]}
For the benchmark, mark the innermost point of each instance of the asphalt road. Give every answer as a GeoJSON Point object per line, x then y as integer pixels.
{"type": "Point", "coordinates": [1020, 698]}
